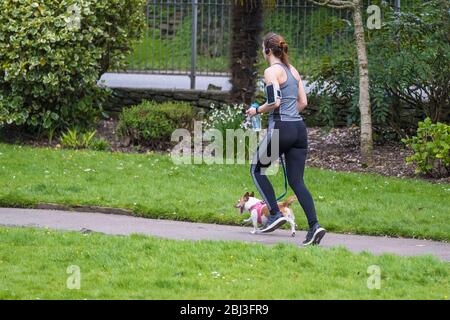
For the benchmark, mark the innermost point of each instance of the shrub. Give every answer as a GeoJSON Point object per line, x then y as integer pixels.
{"type": "Point", "coordinates": [152, 124]}
{"type": "Point", "coordinates": [412, 50]}
{"type": "Point", "coordinates": [100, 144]}
{"type": "Point", "coordinates": [73, 139]}
{"type": "Point", "coordinates": [431, 148]}
{"type": "Point", "coordinates": [232, 117]}
{"type": "Point", "coordinates": [52, 54]}
{"type": "Point", "coordinates": [226, 117]}
{"type": "Point", "coordinates": [409, 61]}
{"type": "Point", "coordinates": [337, 90]}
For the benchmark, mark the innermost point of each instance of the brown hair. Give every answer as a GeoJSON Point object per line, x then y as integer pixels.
{"type": "Point", "coordinates": [277, 45]}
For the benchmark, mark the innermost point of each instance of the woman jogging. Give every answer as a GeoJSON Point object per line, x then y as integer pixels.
{"type": "Point", "coordinates": [286, 134]}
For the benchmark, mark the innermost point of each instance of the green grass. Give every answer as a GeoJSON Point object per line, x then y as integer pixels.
{"type": "Point", "coordinates": [310, 43]}
{"type": "Point", "coordinates": [158, 53]}
{"type": "Point", "coordinates": [153, 53]}
{"type": "Point", "coordinates": [152, 186]}
{"type": "Point", "coordinates": [34, 262]}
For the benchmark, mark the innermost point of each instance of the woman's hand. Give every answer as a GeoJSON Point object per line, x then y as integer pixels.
{"type": "Point", "coordinates": [251, 111]}
{"type": "Point", "coordinates": [302, 101]}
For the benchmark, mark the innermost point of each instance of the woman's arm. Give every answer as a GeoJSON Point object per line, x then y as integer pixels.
{"type": "Point", "coordinates": [302, 101]}
{"type": "Point", "coordinates": [269, 77]}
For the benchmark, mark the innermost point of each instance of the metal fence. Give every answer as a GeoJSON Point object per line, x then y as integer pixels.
{"type": "Point", "coordinates": [192, 37]}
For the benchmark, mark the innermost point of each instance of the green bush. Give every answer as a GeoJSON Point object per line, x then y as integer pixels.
{"type": "Point", "coordinates": [409, 70]}
{"type": "Point", "coordinates": [232, 117]}
{"type": "Point", "coordinates": [73, 139]}
{"type": "Point", "coordinates": [53, 52]}
{"type": "Point", "coordinates": [337, 90]}
{"type": "Point", "coordinates": [152, 124]}
{"type": "Point", "coordinates": [226, 117]}
{"type": "Point", "coordinates": [431, 148]}
{"type": "Point", "coordinates": [412, 52]}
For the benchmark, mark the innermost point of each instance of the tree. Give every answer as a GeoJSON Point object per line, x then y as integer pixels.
{"type": "Point", "coordinates": [247, 25]}
{"type": "Point", "coordinates": [363, 68]}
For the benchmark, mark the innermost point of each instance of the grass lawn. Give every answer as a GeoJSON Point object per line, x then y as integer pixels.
{"type": "Point", "coordinates": [163, 54]}
{"type": "Point", "coordinates": [169, 55]}
{"type": "Point", "coordinates": [34, 262]}
{"type": "Point", "coordinates": [151, 185]}
{"type": "Point", "coordinates": [308, 49]}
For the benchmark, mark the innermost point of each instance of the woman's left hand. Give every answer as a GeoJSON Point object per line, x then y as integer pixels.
{"type": "Point", "coordinates": [251, 112]}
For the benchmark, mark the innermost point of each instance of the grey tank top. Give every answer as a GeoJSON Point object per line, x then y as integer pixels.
{"type": "Point", "coordinates": [289, 92]}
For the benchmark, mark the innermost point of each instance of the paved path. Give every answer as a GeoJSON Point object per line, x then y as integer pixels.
{"type": "Point", "coordinates": [124, 225]}
{"type": "Point", "coordinates": [162, 81]}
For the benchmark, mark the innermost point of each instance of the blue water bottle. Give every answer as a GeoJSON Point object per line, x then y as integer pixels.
{"type": "Point", "coordinates": [256, 119]}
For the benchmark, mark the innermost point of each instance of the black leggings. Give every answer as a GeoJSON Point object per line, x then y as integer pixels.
{"type": "Point", "coordinates": [292, 141]}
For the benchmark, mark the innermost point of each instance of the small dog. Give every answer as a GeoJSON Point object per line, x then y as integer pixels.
{"type": "Point", "coordinates": [259, 211]}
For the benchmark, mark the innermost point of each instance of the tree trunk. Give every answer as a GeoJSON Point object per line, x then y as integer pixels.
{"type": "Point", "coordinates": [364, 97]}
{"type": "Point", "coordinates": [247, 25]}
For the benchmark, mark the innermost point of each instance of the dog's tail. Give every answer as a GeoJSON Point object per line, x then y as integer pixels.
{"type": "Point", "coordinates": [289, 201]}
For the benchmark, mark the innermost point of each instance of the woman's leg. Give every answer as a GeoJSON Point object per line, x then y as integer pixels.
{"type": "Point", "coordinates": [295, 166]}
{"type": "Point", "coordinates": [262, 160]}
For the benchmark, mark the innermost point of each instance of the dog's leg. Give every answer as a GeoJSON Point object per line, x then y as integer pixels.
{"type": "Point", "coordinates": [254, 218]}
{"type": "Point", "coordinates": [291, 221]}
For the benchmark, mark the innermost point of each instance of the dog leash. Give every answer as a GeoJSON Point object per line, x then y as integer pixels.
{"type": "Point", "coordinates": [285, 179]}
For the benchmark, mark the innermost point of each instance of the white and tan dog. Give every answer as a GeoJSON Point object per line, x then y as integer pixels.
{"type": "Point", "coordinates": [259, 211]}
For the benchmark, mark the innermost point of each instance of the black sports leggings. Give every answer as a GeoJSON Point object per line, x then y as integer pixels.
{"type": "Point", "coordinates": [292, 141]}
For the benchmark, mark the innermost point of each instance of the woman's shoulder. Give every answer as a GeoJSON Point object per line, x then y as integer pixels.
{"type": "Point", "coordinates": [278, 66]}
{"type": "Point", "coordinates": [271, 71]}
{"type": "Point", "coordinates": [275, 69]}
{"type": "Point", "coordinates": [271, 68]}
{"type": "Point", "coordinates": [278, 70]}
{"type": "Point", "coordinates": [295, 73]}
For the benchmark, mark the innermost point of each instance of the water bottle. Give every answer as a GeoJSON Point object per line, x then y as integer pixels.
{"type": "Point", "coordinates": [256, 119]}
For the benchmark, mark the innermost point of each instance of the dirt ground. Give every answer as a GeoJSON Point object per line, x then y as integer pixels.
{"type": "Point", "coordinates": [339, 150]}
